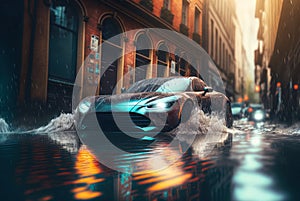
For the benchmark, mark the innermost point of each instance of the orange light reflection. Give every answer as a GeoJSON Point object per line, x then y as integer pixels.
{"type": "Point", "coordinates": [86, 195]}
{"type": "Point", "coordinates": [87, 168]}
{"type": "Point", "coordinates": [170, 183]}
{"type": "Point", "coordinates": [163, 179]}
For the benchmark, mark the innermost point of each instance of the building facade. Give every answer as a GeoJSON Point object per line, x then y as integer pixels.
{"type": "Point", "coordinates": [56, 37]}
{"type": "Point", "coordinates": [277, 57]}
{"type": "Point", "coordinates": [240, 63]}
{"type": "Point", "coordinates": [268, 13]}
{"type": "Point", "coordinates": [219, 39]}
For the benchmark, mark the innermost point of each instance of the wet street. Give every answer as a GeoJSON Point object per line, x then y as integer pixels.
{"type": "Point", "coordinates": [262, 163]}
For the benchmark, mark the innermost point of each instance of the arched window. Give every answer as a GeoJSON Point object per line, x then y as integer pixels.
{"type": "Point", "coordinates": [111, 28]}
{"type": "Point", "coordinates": [64, 20]}
{"type": "Point", "coordinates": [177, 61]}
{"type": "Point", "coordinates": [183, 66]}
{"type": "Point", "coordinates": [162, 60]}
{"type": "Point", "coordinates": [194, 68]}
{"type": "Point", "coordinates": [143, 57]}
{"type": "Point", "coordinates": [111, 31]}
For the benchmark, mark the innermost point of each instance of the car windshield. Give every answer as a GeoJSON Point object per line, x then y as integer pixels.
{"type": "Point", "coordinates": [236, 105]}
{"type": "Point", "coordinates": [163, 85]}
{"type": "Point", "coordinates": [256, 106]}
{"type": "Point", "coordinates": [236, 110]}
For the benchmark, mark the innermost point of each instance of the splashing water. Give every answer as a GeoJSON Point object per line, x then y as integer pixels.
{"type": "Point", "coordinates": [4, 128]}
{"type": "Point", "coordinates": [207, 131]}
{"type": "Point", "coordinates": [64, 122]}
{"type": "Point", "coordinates": [285, 130]}
{"type": "Point", "coordinates": [56, 131]}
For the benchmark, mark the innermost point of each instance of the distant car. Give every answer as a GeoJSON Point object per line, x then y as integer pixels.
{"type": "Point", "coordinates": [237, 110]}
{"type": "Point", "coordinates": [150, 105]}
{"type": "Point", "coordinates": [256, 112]}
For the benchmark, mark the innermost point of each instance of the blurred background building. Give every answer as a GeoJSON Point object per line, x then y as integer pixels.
{"type": "Point", "coordinates": [221, 31]}
{"type": "Point", "coordinates": [277, 57]}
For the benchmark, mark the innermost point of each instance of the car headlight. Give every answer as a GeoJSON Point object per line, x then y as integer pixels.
{"type": "Point", "coordinates": [258, 116]}
{"type": "Point", "coordinates": [160, 105]}
{"type": "Point", "coordinates": [84, 106]}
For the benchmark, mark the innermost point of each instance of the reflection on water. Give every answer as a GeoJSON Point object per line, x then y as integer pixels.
{"type": "Point", "coordinates": [250, 177]}
{"type": "Point", "coordinates": [258, 166]}
{"type": "Point", "coordinates": [87, 168]}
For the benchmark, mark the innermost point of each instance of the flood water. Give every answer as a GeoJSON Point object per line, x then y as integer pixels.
{"type": "Point", "coordinates": [262, 163]}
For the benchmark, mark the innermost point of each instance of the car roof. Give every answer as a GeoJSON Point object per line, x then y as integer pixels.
{"type": "Point", "coordinates": [173, 77]}
{"type": "Point", "coordinates": [236, 104]}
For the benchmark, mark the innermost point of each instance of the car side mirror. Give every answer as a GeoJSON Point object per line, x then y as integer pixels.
{"type": "Point", "coordinates": [207, 90]}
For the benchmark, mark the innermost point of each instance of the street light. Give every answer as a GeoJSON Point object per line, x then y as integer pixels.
{"type": "Point", "coordinates": [296, 87]}
{"type": "Point", "coordinates": [257, 88]}
{"type": "Point", "coordinates": [278, 84]}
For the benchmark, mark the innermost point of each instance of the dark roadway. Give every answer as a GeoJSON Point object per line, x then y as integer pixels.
{"type": "Point", "coordinates": [261, 164]}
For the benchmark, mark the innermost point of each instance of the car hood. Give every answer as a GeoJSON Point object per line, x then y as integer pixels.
{"type": "Point", "coordinates": [127, 102]}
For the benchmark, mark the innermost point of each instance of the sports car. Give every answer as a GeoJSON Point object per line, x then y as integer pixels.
{"type": "Point", "coordinates": [152, 105]}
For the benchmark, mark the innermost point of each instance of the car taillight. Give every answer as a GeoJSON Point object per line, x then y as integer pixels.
{"type": "Point", "coordinates": [250, 109]}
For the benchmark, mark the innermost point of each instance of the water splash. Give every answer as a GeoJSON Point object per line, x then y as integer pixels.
{"type": "Point", "coordinates": [286, 130]}
{"type": "Point", "coordinates": [207, 131]}
{"type": "Point", "coordinates": [4, 128]}
{"type": "Point", "coordinates": [64, 122]}
{"type": "Point", "coordinates": [68, 140]}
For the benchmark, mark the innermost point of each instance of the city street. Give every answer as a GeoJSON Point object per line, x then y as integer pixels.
{"type": "Point", "coordinates": [262, 163]}
{"type": "Point", "coordinates": [159, 100]}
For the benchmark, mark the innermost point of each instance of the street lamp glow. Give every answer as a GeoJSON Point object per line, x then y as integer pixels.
{"type": "Point", "coordinates": [296, 87]}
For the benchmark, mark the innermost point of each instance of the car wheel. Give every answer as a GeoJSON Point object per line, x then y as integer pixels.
{"type": "Point", "coordinates": [186, 111]}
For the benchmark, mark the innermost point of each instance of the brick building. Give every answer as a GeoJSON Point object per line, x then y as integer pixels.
{"type": "Point", "coordinates": [55, 37]}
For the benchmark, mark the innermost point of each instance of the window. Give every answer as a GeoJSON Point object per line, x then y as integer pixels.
{"type": "Point", "coordinates": [220, 51]}
{"type": "Point", "coordinates": [183, 65]}
{"type": "Point", "coordinates": [108, 81]}
{"type": "Point", "coordinates": [185, 12]}
{"type": "Point", "coordinates": [223, 56]}
{"type": "Point", "coordinates": [226, 60]}
{"type": "Point", "coordinates": [64, 20]}
{"type": "Point", "coordinates": [217, 46]}
{"type": "Point", "coordinates": [162, 60]}
{"type": "Point", "coordinates": [197, 21]}
{"type": "Point", "coordinates": [110, 28]}
{"type": "Point", "coordinates": [229, 65]}
{"type": "Point", "coordinates": [167, 4]}
{"type": "Point", "coordinates": [142, 59]}
{"type": "Point", "coordinates": [212, 38]}
{"type": "Point", "coordinates": [194, 67]}
{"type": "Point", "coordinates": [163, 85]}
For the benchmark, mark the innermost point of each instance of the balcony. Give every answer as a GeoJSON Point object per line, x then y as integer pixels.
{"type": "Point", "coordinates": [148, 4]}
{"type": "Point", "coordinates": [167, 15]}
{"type": "Point", "coordinates": [184, 29]}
